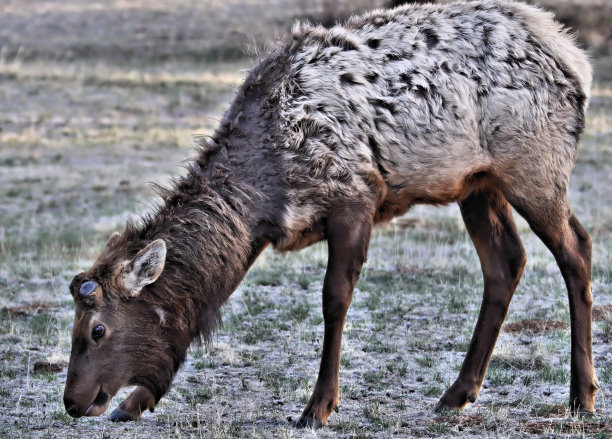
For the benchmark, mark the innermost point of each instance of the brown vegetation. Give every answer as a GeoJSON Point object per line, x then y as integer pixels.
{"type": "Point", "coordinates": [535, 326]}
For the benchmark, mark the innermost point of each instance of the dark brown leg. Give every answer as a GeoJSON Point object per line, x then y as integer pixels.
{"type": "Point", "coordinates": [570, 244]}
{"type": "Point", "coordinates": [135, 404]}
{"type": "Point", "coordinates": [347, 243]}
{"type": "Point", "coordinates": [488, 218]}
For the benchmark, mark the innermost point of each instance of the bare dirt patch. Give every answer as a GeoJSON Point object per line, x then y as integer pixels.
{"type": "Point", "coordinates": [568, 427]}
{"type": "Point", "coordinates": [602, 313]}
{"type": "Point", "coordinates": [550, 411]}
{"type": "Point", "coordinates": [462, 421]}
{"type": "Point", "coordinates": [535, 326]}
{"type": "Point", "coordinates": [27, 309]}
{"type": "Point", "coordinates": [405, 224]}
{"type": "Point", "coordinates": [45, 366]}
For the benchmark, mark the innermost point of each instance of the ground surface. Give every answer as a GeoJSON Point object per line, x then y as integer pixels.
{"type": "Point", "coordinates": [97, 101]}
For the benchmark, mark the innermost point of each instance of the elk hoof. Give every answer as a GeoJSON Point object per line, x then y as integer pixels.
{"type": "Point", "coordinates": [456, 397]}
{"type": "Point", "coordinates": [443, 406]}
{"type": "Point", "coordinates": [120, 415]}
{"type": "Point", "coordinates": [308, 422]}
{"type": "Point", "coordinates": [440, 407]}
{"type": "Point", "coordinates": [581, 413]}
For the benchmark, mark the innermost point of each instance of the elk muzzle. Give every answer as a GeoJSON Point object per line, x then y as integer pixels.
{"type": "Point", "coordinates": [95, 404]}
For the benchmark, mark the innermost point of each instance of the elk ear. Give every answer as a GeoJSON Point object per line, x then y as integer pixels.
{"type": "Point", "coordinates": [112, 240]}
{"type": "Point", "coordinates": [145, 268]}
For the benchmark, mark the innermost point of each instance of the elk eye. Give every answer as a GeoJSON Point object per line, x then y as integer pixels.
{"type": "Point", "coordinates": [97, 332]}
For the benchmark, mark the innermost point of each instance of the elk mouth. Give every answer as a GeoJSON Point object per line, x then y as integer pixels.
{"type": "Point", "coordinates": [99, 404]}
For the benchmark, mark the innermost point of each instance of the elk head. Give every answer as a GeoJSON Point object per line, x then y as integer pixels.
{"type": "Point", "coordinates": [118, 336]}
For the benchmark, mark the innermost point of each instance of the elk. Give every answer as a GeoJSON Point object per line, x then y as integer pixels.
{"type": "Point", "coordinates": [334, 131]}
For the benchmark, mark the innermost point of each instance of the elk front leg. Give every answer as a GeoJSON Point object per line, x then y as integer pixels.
{"type": "Point", "coordinates": [134, 405]}
{"type": "Point", "coordinates": [347, 247]}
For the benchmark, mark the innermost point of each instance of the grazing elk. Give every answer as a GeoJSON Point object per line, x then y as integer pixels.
{"type": "Point", "coordinates": [334, 131]}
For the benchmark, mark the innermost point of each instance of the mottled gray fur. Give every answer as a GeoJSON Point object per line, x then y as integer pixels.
{"type": "Point", "coordinates": [427, 96]}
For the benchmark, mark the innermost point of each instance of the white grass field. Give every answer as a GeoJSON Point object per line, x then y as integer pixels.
{"type": "Point", "coordinates": [99, 98]}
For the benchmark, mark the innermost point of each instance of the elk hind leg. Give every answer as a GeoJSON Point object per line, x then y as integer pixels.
{"type": "Point", "coordinates": [488, 219]}
{"type": "Point", "coordinates": [552, 220]}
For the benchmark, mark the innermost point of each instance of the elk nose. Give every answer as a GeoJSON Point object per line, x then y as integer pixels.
{"type": "Point", "coordinates": [71, 408]}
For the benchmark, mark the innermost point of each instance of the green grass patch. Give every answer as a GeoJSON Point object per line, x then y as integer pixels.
{"type": "Point", "coordinates": [206, 363]}
{"type": "Point", "coordinates": [440, 429]}
{"type": "Point", "coordinates": [257, 331]}
{"type": "Point", "coordinates": [375, 413]}
{"type": "Point", "coordinates": [46, 376]}
{"type": "Point", "coordinates": [373, 376]}
{"type": "Point", "coordinates": [259, 276]}
{"type": "Point", "coordinates": [60, 415]}
{"type": "Point", "coordinates": [433, 390]}
{"type": "Point", "coordinates": [297, 311]}
{"type": "Point", "coordinates": [499, 376]}
{"type": "Point", "coordinates": [550, 374]}
{"type": "Point", "coordinates": [426, 361]}
{"type": "Point", "coordinates": [8, 372]}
